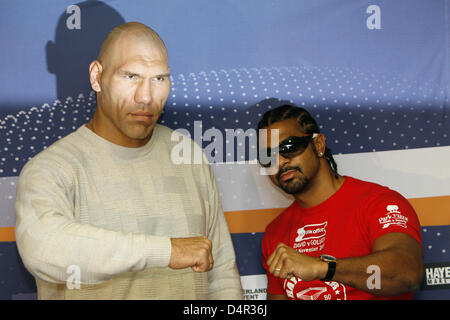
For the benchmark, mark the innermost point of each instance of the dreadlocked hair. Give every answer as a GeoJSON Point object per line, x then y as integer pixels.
{"type": "Point", "coordinates": [304, 120]}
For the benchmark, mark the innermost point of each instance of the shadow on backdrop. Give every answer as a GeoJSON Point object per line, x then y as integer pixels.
{"type": "Point", "coordinates": [68, 57]}
{"type": "Point", "coordinates": [79, 34]}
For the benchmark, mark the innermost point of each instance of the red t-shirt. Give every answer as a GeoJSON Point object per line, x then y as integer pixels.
{"type": "Point", "coordinates": [346, 225]}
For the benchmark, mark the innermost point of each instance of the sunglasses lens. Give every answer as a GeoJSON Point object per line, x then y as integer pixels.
{"type": "Point", "coordinates": [294, 146]}
{"type": "Point", "coordinates": [288, 148]}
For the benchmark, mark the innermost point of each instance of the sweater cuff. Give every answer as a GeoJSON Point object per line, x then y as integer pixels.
{"type": "Point", "coordinates": [157, 251]}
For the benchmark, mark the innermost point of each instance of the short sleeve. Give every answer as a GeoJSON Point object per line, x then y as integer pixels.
{"type": "Point", "coordinates": [390, 212]}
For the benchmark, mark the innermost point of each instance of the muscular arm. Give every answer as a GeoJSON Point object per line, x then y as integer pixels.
{"type": "Point", "coordinates": [398, 256]}
{"type": "Point", "coordinates": [399, 259]}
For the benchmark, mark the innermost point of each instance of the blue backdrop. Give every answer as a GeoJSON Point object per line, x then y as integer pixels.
{"type": "Point", "coordinates": [375, 74]}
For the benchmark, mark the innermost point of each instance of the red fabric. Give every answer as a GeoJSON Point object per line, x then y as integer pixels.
{"type": "Point", "coordinates": [346, 225]}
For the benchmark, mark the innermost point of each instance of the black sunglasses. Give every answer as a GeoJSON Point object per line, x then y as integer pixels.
{"type": "Point", "coordinates": [288, 148]}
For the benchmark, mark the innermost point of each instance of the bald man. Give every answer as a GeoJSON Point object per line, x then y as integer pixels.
{"type": "Point", "coordinates": [105, 214]}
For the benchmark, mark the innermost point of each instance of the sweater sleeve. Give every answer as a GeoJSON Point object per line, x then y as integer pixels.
{"type": "Point", "coordinates": [51, 242]}
{"type": "Point", "coordinates": [224, 279]}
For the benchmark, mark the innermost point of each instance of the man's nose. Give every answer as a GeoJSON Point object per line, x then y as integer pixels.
{"type": "Point", "coordinates": [279, 165]}
{"type": "Point", "coordinates": [144, 93]}
{"type": "Point", "coordinates": [282, 161]}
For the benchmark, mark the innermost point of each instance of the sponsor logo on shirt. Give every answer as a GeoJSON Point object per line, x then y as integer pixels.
{"type": "Point", "coordinates": [393, 217]}
{"type": "Point", "coordinates": [311, 237]}
{"type": "Point", "coordinates": [311, 231]}
{"type": "Point", "coordinates": [297, 289]}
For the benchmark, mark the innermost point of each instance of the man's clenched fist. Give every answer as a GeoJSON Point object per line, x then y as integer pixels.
{"type": "Point", "coordinates": [285, 262]}
{"type": "Point", "coordinates": [195, 252]}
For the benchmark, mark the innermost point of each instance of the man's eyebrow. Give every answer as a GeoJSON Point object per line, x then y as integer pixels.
{"type": "Point", "coordinates": [163, 75]}
{"type": "Point", "coordinates": [128, 72]}
{"type": "Point", "coordinates": [132, 73]}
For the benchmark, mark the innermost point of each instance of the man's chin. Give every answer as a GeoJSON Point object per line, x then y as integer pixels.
{"type": "Point", "coordinates": [294, 186]}
{"type": "Point", "coordinates": [140, 130]}
{"type": "Point", "coordinates": [141, 136]}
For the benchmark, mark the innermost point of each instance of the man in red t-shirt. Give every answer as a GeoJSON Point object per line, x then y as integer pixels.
{"type": "Point", "coordinates": [342, 238]}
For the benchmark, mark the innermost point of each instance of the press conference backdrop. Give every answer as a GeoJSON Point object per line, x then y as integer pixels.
{"type": "Point", "coordinates": [375, 74]}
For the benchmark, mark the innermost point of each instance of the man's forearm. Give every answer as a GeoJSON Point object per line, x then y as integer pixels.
{"type": "Point", "coordinates": [384, 273]}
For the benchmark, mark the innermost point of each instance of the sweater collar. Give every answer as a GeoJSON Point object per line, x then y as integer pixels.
{"type": "Point", "coordinates": [119, 151]}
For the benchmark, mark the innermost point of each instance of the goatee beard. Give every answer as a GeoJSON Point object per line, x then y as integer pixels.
{"type": "Point", "coordinates": [294, 185]}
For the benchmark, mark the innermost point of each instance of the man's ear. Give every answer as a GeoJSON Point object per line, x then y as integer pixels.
{"type": "Point", "coordinates": [95, 73]}
{"type": "Point", "coordinates": [320, 145]}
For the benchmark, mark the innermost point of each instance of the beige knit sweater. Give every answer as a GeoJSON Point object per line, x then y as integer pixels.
{"type": "Point", "coordinates": [94, 221]}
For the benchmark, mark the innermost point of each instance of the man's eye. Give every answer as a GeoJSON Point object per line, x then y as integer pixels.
{"type": "Point", "coordinates": [131, 76]}
{"type": "Point", "coordinates": [159, 79]}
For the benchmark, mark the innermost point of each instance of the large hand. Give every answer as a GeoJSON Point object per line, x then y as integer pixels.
{"type": "Point", "coordinates": [285, 262]}
{"type": "Point", "coordinates": [195, 252]}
